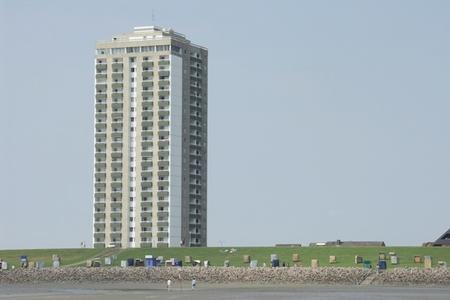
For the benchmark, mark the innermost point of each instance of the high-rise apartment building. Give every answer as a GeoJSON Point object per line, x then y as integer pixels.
{"type": "Point", "coordinates": [150, 175]}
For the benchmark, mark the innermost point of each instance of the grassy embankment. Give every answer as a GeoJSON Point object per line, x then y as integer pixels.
{"type": "Point", "coordinates": [217, 256]}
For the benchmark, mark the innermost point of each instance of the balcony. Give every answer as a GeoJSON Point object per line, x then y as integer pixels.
{"type": "Point", "coordinates": [163, 173]}
{"type": "Point", "coordinates": [116, 235]}
{"type": "Point", "coordinates": [163, 162]}
{"type": "Point", "coordinates": [117, 85]}
{"type": "Point", "coordinates": [163, 203]}
{"type": "Point", "coordinates": [100, 165]}
{"type": "Point", "coordinates": [117, 244]}
{"type": "Point", "coordinates": [100, 215]}
{"type": "Point", "coordinates": [147, 164]}
{"type": "Point", "coordinates": [117, 76]}
{"type": "Point", "coordinates": [101, 104]}
{"type": "Point", "coordinates": [147, 143]}
{"type": "Point", "coordinates": [116, 144]}
{"type": "Point", "coordinates": [100, 235]}
{"type": "Point", "coordinates": [164, 83]}
{"type": "Point", "coordinates": [147, 139]}
{"type": "Point", "coordinates": [146, 203]}
{"type": "Point", "coordinates": [147, 194]}
{"type": "Point", "coordinates": [117, 114]}
{"type": "Point", "coordinates": [100, 205]}
{"type": "Point", "coordinates": [163, 102]}
{"type": "Point", "coordinates": [164, 223]}
{"type": "Point", "coordinates": [196, 75]}
{"type": "Point", "coordinates": [147, 153]}
{"type": "Point", "coordinates": [147, 63]}
{"type": "Point", "coordinates": [164, 122]}
{"type": "Point", "coordinates": [117, 93]}
{"type": "Point", "coordinates": [100, 175]}
{"type": "Point", "coordinates": [194, 223]}
{"type": "Point", "coordinates": [163, 73]}
{"type": "Point", "coordinates": [101, 126]}
{"type": "Point", "coordinates": [116, 194]}
{"type": "Point", "coordinates": [162, 194]}
{"type": "Point", "coordinates": [116, 134]}
{"type": "Point", "coordinates": [163, 93]}
{"type": "Point", "coordinates": [147, 111]}
{"type": "Point", "coordinates": [116, 205]}
{"type": "Point", "coordinates": [100, 66]}
{"type": "Point", "coordinates": [100, 224]}
{"type": "Point", "coordinates": [163, 143]}
{"type": "Point", "coordinates": [101, 155]}
{"type": "Point", "coordinates": [116, 165]}
{"type": "Point", "coordinates": [164, 62]}
{"type": "Point", "coordinates": [116, 214]}
{"type": "Point", "coordinates": [117, 65]}
{"type": "Point", "coordinates": [147, 234]}
{"type": "Point", "coordinates": [163, 113]}
{"type": "Point", "coordinates": [116, 185]}
{"type": "Point", "coordinates": [100, 84]}
{"type": "Point", "coordinates": [147, 93]}
{"type": "Point", "coordinates": [101, 75]}
{"type": "Point", "coordinates": [147, 83]}
{"type": "Point", "coordinates": [147, 73]}
{"type": "Point", "coordinates": [163, 214]}
{"type": "Point", "coordinates": [162, 234]}
{"type": "Point", "coordinates": [194, 213]}
{"type": "Point", "coordinates": [116, 175]}
{"type": "Point", "coordinates": [100, 115]}
{"type": "Point", "coordinates": [146, 185]}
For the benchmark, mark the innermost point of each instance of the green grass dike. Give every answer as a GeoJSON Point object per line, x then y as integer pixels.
{"type": "Point", "coordinates": [217, 255]}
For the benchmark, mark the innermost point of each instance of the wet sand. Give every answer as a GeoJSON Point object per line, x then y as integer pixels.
{"type": "Point", "coordinates": [132, 291]}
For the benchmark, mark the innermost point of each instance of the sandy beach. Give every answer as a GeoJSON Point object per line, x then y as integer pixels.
{"type": "Point", "coordinates": [182, 290]}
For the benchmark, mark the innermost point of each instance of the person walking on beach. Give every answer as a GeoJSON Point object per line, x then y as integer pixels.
{"type": "Point", "coordinates": [169, 284]}
{"type": "Point", "coordinates": [194, 283]}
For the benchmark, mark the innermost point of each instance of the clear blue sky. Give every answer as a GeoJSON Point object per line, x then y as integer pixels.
{"type": "Point", "coordinates": [327, 119]}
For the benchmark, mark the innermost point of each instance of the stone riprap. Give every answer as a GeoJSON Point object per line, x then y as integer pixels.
{"type": "Point", "coordinates": [327, 275]}
{"type": "Point", "coordinates": [414, 276]}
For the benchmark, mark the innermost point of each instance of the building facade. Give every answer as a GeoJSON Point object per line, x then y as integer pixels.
{"type": "Point", "coordinates": [150, 169]}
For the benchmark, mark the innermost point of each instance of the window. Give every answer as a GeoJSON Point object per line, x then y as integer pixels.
{"type": "Point", "coordinates": [133, 49]}
{"type": "Point", "coordinates": [147, 49]}
{"type": "Point", "coordinates": [176, 49]}
{"type": "Point", "coordinates": [101, 51]}
{"type": "Point", "coordinates": [117, 50]}
{"type": "Point", "coordinates": [133, 70]}
{"type": "Point", "coordinates": [131, 240]}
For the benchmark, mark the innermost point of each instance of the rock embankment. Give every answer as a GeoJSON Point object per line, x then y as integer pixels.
{"type": "Point", "coordinates": [414, 276]}
{"type": "Point", "coordinates": [229, 275]}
